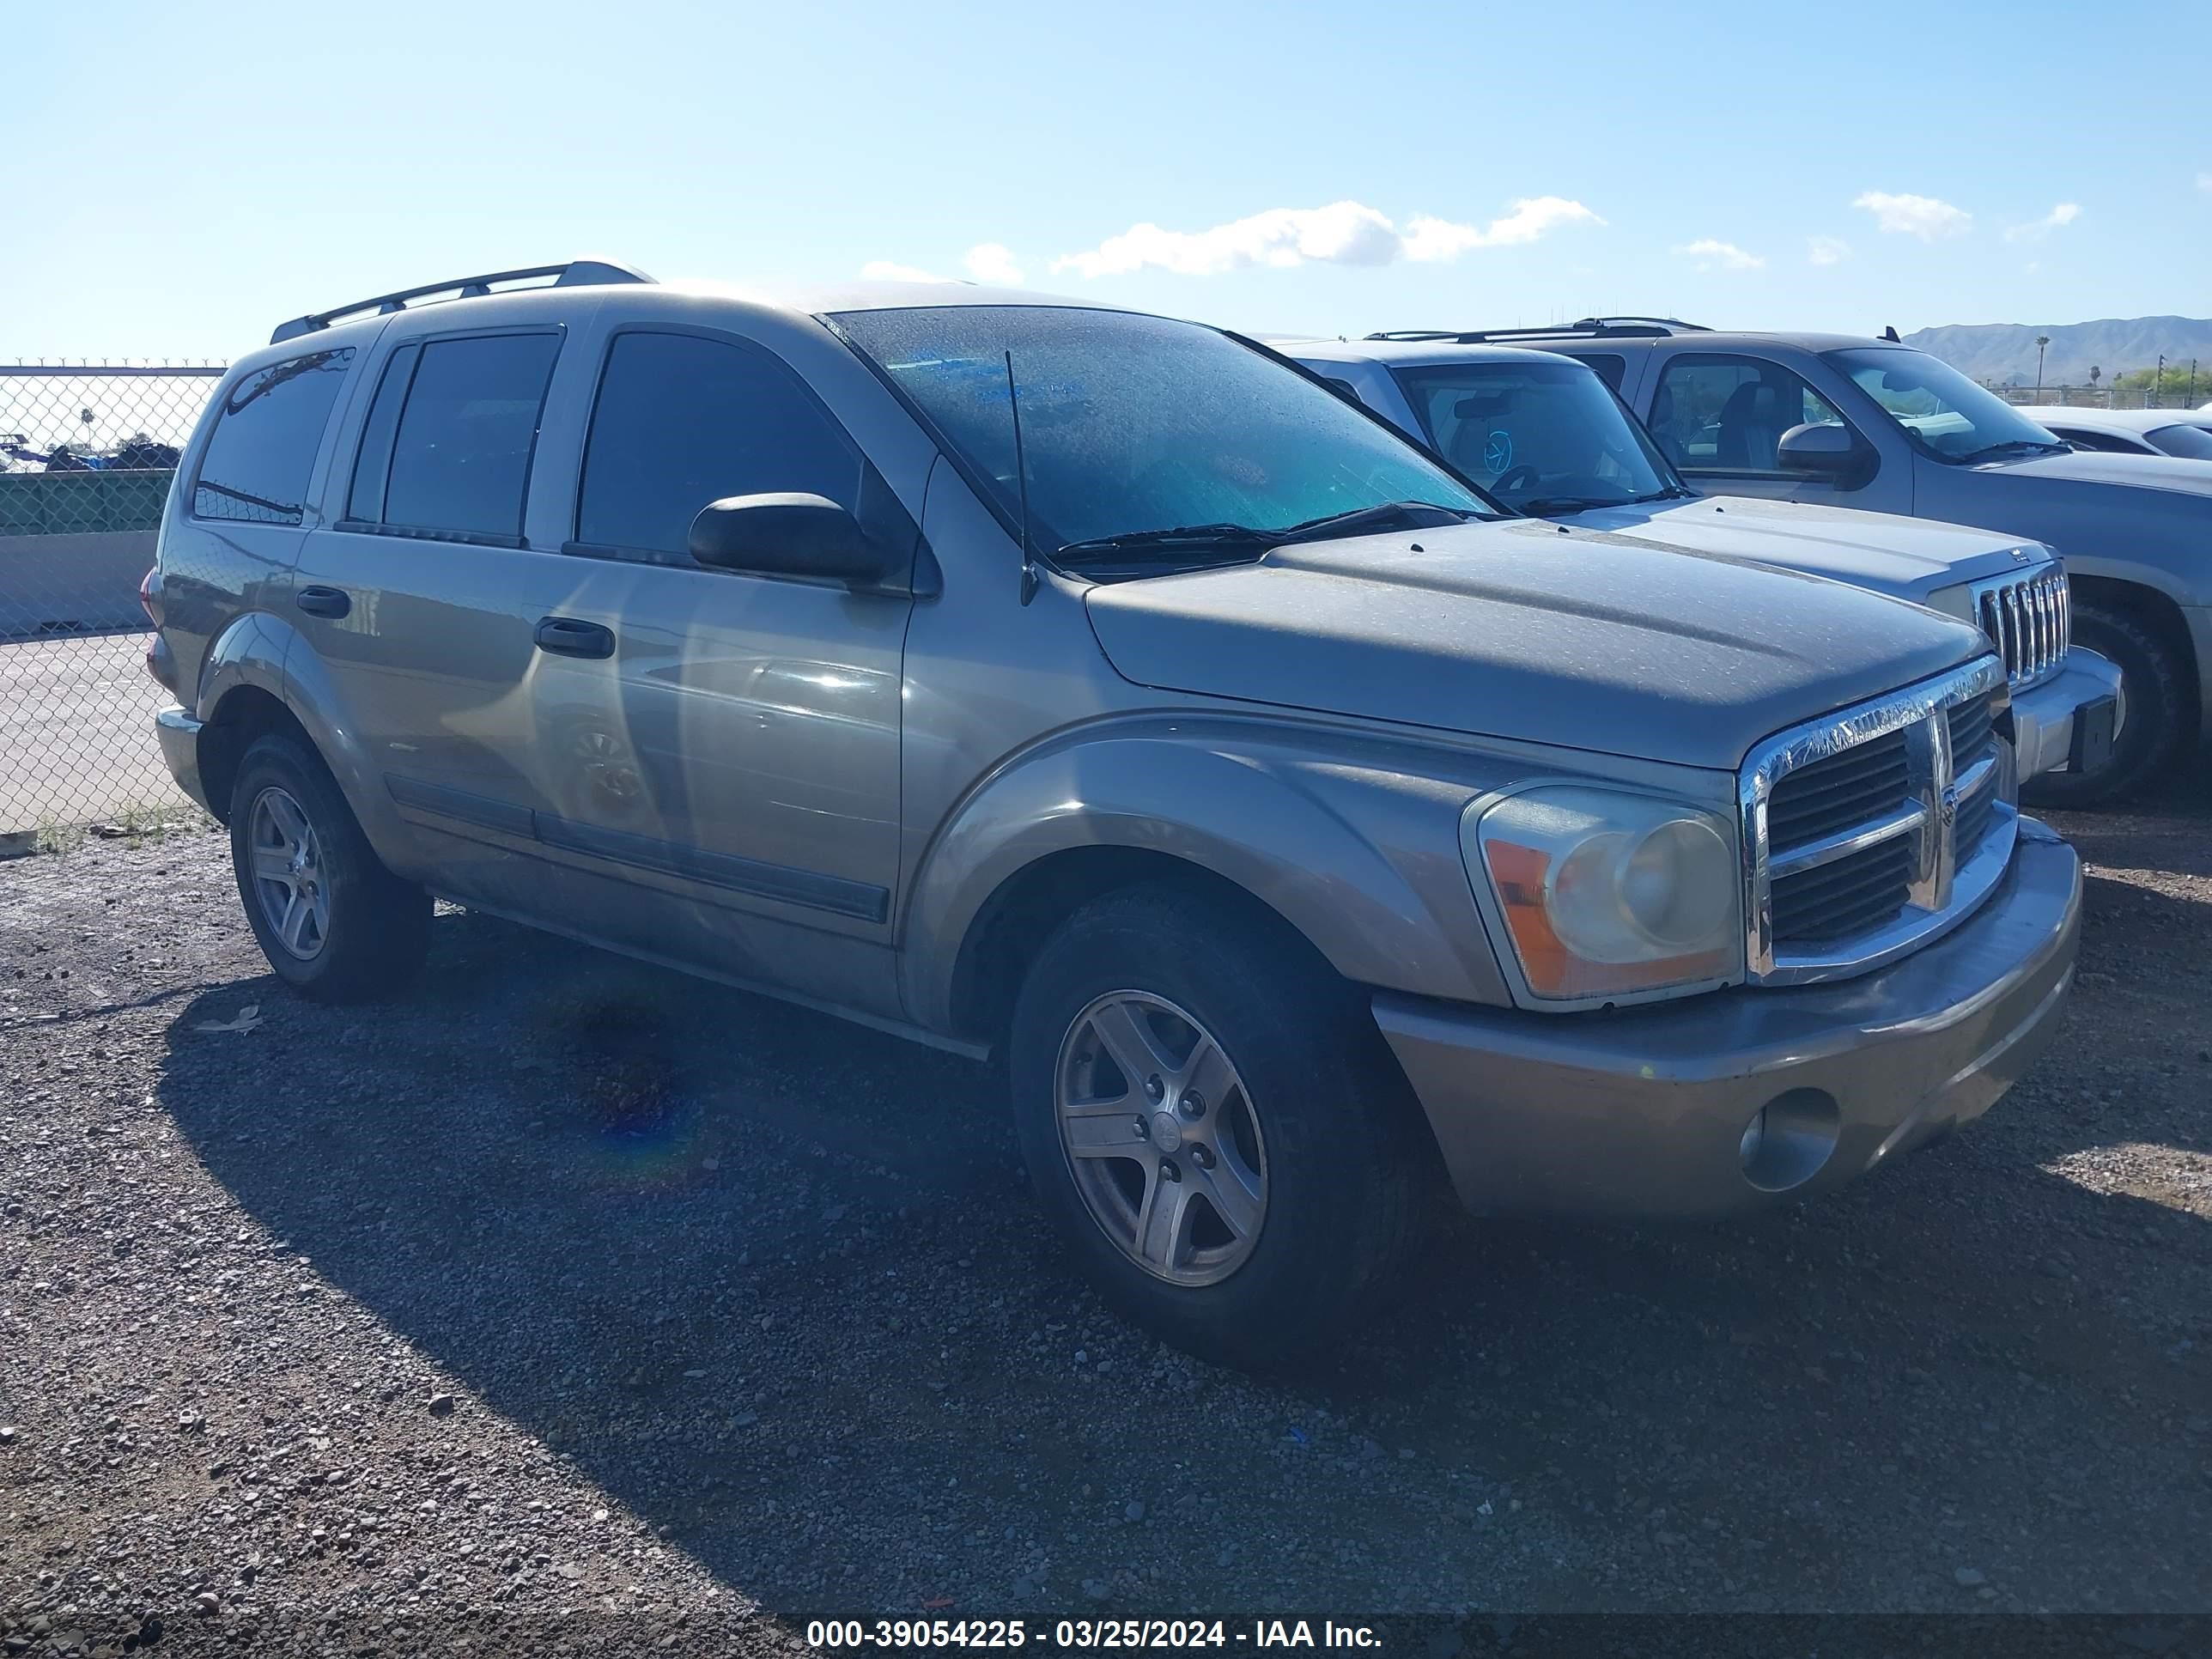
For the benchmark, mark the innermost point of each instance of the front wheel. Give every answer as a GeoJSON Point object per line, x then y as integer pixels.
{"type": "Point", "coordinates": [2156, 711]}
{"type": "Point", "coordinates": [334, 923]}
{"type": "Point", "coordinates": [1215, 1127]}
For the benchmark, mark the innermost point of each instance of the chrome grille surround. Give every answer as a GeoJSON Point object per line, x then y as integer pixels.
{"type": "Point", "coordinates": [1948, 880]}
{"type": "Point", "coordinates": [2029, 618]}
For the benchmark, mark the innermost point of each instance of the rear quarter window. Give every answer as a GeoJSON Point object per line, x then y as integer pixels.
{"type": "Point", "coordinates": [267, 430]}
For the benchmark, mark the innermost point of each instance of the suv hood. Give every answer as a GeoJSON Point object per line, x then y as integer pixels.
{"type": "Point", "coordinates": [1528, 630]}
{"type": "Point", "coordinates": [1907, 558]}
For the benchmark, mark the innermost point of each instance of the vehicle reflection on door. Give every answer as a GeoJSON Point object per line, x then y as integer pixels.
{"type": "Point", "coordinates": [806, 761]}
{"type": "Point", "coordinates": [730, 771]}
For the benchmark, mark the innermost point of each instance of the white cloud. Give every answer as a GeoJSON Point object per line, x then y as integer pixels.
{"type": "Point", "coordinates": [1428, 239]}
{"type": "Point", "coordinates": [1828, 249]}
{"type": "Point", "coordinates": [1343, 233]}
{"type": "Point", "coordinates": [993, 263]}
{"type": "Point", "coordinates": [2205, 183]}
{"type": "Point", "coordinates": [1915, 216]}
{"type": "Point", "coordinates": [2059, 218]}
{"type": "Point", "coordinates": [986, 262]}
{"type": "Point", "coordinates": [1725, 256]}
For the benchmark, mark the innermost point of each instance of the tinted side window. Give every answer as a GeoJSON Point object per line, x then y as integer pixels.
{"type": "Point", "coordinates": [682, 421]}
{"type": "Point", "coordinates": [1728, 414]}
{"type": "Point", "coordinates": [1612, 367]}
{"type": "Point", "coordinates": [460, 455]}
{"type": "Point", "coordinates": [265, 442]}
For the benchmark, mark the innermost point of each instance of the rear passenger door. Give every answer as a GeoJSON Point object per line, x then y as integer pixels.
{"type": "Point", "coordinates": [421, 601]}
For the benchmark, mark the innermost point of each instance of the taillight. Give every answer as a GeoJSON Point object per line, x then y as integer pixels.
{"type": "Point", "coordinates": [149, 594]}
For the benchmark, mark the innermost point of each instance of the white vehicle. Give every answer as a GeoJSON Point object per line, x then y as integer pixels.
{"type": "Point", "coordinates": [2186, 433]}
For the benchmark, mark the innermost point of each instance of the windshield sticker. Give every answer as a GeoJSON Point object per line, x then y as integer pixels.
{"type": "Point", "coordinates": [1498, 452]}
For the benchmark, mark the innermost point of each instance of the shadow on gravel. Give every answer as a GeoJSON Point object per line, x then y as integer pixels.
{"type": "Point", "coordinates": [777, 1285]}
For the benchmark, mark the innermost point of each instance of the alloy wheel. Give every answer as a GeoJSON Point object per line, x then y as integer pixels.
{"type": "Point", "coordinates": [289, 883]}
{"type": "Point", "coordinates": [1161, 1138]}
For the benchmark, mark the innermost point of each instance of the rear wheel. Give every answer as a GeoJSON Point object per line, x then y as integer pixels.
{"type": "Point", "coordinates": [334, 923]}
{"type": "Point", "coordinates": [2156, 711]}
{"type": "Point", "coordinates": [1215, 1127]}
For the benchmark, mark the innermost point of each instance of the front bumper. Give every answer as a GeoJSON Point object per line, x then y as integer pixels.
{"type": "Point", "coordinates": [180, 749]}
{"type": "Point", "coordinates": [2043, 716]}
{"type": "Point", "coordinates": [1643, 1113]}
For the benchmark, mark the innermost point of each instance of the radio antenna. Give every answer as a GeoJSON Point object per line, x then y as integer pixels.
{"type": "Point", "coordinates": [1022, 485]}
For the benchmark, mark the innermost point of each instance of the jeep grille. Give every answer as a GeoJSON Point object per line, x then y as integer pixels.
{"type": "Point", "coordinates": [2029, 619]}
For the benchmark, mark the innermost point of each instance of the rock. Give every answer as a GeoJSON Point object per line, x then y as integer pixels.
{"type": "Point", "coordinates": [1095, 1589]}
{"type": "Point", "coordinates": [1135, 1511]}
{"type": "Point", "coordinates": [1023, 1588]}
{"type": "Point", "coordinates": [208, 1602]}
{"type": "Point", "coordinates": [442, 1405]}
{"type": "Point", "coordinates": [1968, 1577]}
{"type": "Point", "coordinates": [8, 1437]}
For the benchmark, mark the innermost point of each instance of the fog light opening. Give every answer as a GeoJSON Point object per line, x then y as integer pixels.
{"type": "Point", "coordinates": [1789, 1139]}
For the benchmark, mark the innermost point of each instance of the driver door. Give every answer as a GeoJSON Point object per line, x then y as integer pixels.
{"type": "Point", "coordinates": [1720, 417]}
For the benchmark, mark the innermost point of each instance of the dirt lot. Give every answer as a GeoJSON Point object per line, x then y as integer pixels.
{"type": "Point", "coordinates": [576, 1291]}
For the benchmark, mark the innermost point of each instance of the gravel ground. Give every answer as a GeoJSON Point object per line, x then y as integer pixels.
{"type": "Point", "coordinates": [583, 1296]}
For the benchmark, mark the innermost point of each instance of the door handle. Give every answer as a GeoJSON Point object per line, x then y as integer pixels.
{"type": "Point", "coordinates": [323, 601]}
{"type": "Point", "coordinates": [565, 637]}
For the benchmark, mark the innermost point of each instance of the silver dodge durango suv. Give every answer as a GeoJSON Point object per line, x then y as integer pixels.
{"type": "Point", "coordinates": [1098, 690]}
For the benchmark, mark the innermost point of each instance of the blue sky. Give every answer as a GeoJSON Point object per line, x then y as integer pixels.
{"type": "Point", "coordinates": [184, 177]}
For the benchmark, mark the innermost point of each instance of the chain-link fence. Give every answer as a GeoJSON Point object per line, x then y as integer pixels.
{"type": "Point", "coordinates": [2181, 392]}
{"type": "Point", "coordinates": [87, 451]}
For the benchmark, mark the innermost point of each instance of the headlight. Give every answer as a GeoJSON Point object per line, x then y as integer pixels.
{"type": "Point", "coordinates": [1606, 894]}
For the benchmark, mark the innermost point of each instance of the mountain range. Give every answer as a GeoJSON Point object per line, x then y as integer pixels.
{"type": "Point", "coordinates": [2004, 353]}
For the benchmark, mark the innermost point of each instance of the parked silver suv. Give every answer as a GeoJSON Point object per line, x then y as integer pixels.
{"type": "Point", "coordinates": [1837, 421]}
{"type": "Point", "coordinates": [1545, 435]}
{"type": "Point", "coordinates": [1040, 678]}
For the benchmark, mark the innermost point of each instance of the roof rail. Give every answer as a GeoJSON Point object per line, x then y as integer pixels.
{"type": "Point", "coordinates": [577, 273]}
{"type": "Point", "coordinates": [1594, 328]}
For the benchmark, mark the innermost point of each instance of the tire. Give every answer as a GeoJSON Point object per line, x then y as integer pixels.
{"type": "Point", "coordinates": [337, 927]}
{"type": "Point", "coordinates": [2158, 712]}
{"type": "Point", "coordinates": [1318, 1110]}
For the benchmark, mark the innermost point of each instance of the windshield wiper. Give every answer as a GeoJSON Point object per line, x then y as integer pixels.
{"type": "Point", "coordinates": [2010, 447]}
{"type": "Point", "coordinates": [1541, 506]}
{"type": "Point", "coordinates": [1176, 536]}
{"type": "Point", "coordinates": [1408, 515]}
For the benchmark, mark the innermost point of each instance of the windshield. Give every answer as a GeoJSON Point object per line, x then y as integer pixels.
{"type": "Point", "coordinates": [1135, 425]}
{"type": "Point", "coordinates": [1541, 437]}
{"type": "Point", "coordinates": [1940, 409]}
{"type": "Point", "coordinates": [2192, 443]}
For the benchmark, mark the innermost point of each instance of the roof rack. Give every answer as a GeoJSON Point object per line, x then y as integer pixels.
{"type": "Point", "coordinates": [577, 273]}
{"type": "Point", "coordinates": [1591, 328]}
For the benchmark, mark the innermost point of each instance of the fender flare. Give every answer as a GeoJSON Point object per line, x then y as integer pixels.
{"type": "Point", "coordinates": [266, 653]}
{"type": "Point", "coordinates": [1362, 859]}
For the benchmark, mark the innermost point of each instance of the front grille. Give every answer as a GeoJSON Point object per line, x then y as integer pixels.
{"type": "Point", "coordinates": [1859, 784]}
{"type": "Point", "coordinates": [1834, 901]}
{"type": "Point", "coordinates": [2030, 620]}
{"type": "Point", "coordinates": [1872, 829]}
{"type": "Point", "coordinates": [1973, 724]}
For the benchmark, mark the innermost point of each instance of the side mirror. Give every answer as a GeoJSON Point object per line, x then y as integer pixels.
{"type": "Point", "coordinates": [788, 535]}
{"type": "Point", "coordinates": [1826, 451]}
